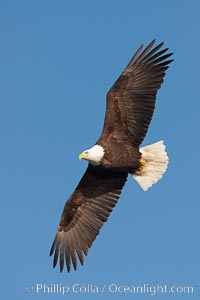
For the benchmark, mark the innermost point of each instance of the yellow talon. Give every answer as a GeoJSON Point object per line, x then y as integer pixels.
{"type": "Point", "coordinates": [142, 164]}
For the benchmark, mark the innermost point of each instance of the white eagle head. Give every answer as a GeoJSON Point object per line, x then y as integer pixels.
{"type": "Point", "coordinates": [94, 155]}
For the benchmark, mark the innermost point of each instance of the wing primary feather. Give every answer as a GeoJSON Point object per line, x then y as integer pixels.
{"type": "Point", "coordinates": [166, 63]}
{"type": "Point", "coordinates": [135, 55]}
{"type": "Point", "coordinates": [62, 252]}
{"type": "Point", "coordinates": [161, 58]}
{"type": "Point", "coordinates": [146, 50]}
{"type": "Point", "coordinates": [56, 254]}
{"type": "Point", "coordinates": [82, 240]}
{"type": "Point", "coordinates": [53, 246]}
{"type": "Point", "coordinates": [150, 58]}
{"type": "Point", "coordinates": [72, 251]}
{"type": "Point", "coordinates": [67, 254]}
{"type": "Point", "coordinates": [78, 247]}
{"type": "Point", "coordinates": [154, 50]}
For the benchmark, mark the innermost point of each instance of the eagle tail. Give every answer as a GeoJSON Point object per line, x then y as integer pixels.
{"type": "Point", "coordinates": [154, 161]}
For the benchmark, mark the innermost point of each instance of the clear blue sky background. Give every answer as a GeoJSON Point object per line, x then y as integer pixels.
{"type": "Point", "coordinates": [57, 61]}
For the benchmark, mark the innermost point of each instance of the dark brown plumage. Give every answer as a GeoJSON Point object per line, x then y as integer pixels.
{"type": "Point", "coordinates": [131, 100]}
{"type": "Point", "coordinates": [130, 106]}
{"type": "Point", "coordinates": [84, 213]}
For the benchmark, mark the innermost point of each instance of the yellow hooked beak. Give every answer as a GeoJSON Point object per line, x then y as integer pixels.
{"type": "Point", "coordinates": [82, 155]}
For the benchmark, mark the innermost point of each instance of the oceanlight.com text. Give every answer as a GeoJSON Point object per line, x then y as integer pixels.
{"type": "Point", "coordinates": [111, 288]}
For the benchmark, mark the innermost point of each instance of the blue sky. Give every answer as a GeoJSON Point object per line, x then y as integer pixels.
{"type": "Point", "coordinates": [57, 61]}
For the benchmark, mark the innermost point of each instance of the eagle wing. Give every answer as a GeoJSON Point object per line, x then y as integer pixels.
{"type": "Point", "coordinates": [84, 214]}
{"type": "Point", "coordinates": [131, 100]}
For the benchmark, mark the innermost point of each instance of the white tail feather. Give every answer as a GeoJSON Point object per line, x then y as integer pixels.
{"type": "Point", "coordinates": [156, 164]}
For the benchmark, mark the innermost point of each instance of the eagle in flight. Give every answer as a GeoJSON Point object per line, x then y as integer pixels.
{"type": "Point", "coordinates": [117, 153]}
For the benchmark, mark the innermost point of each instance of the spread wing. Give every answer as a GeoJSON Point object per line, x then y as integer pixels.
{"type": "Point", "coordinates": [131, 100]}
{"type": "Point", "coordinates": [84, 214]}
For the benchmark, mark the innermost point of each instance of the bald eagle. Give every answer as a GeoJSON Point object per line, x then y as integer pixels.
{"type": "Point", "coordinates": [117, 153]}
